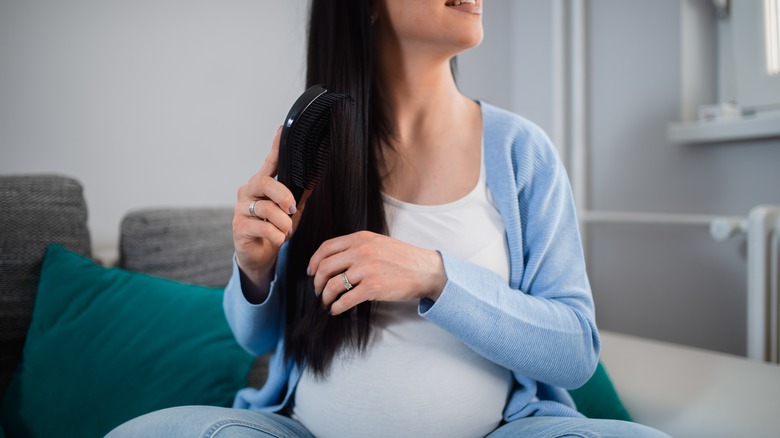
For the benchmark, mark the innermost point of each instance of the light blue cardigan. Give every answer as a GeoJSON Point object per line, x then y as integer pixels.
{"type": "Point", "coordinates": [541, 325]}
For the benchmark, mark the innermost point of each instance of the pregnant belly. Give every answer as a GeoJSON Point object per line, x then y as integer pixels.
{"type": "Point", "coordinates": [414, 380]}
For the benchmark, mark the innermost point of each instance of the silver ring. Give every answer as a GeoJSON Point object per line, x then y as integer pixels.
{"type": "Point", "coordinates": [347, 284]}
{"type": "Point", "coordinates": [252, 209]}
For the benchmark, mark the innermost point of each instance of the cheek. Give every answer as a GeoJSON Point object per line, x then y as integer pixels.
{"type": "Point", "coordinates": [407, 18]}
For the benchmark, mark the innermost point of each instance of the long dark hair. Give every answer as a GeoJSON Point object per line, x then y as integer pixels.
{"type": "Point", "coordinates": [347, 198]}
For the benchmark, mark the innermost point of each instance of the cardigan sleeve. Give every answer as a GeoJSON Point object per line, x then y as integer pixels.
{"type": "Point", "coordinates": [256, 327]}
{"type": "Point", "coordinates": [545, 329]}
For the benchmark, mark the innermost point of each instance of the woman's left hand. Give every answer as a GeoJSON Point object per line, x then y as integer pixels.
{"type": "Point", "coordinates": [378, 267]}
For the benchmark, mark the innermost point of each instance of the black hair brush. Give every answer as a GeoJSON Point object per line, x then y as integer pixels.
{"type": "Point", "coordinates": [304, 146]}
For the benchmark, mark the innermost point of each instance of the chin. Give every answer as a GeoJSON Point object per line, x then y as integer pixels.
{"type": "Point", "coordinates": [470, 40]}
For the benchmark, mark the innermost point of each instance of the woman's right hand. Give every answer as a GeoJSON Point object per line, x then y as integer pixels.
{"type": "Point", "coordinates": [257, 238]}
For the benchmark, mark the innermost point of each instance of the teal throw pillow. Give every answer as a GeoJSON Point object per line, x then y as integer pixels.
{"type": "Point", "coordinates": [599, 399]}
{"type": "Point", "coordinates": [107, 345]}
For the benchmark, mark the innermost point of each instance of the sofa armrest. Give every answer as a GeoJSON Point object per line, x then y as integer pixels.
{"type": "Point", "coordinates": [690, 392]}
{"type": "Point", "coordinates": [35, 210]}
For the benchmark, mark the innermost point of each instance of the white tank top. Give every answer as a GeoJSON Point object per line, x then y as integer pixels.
{"type": "Point", "coordinates": [416, 379]}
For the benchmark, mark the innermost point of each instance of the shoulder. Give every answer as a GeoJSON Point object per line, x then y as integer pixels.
{"type": "Point", "coordinates": [520, 140]}
{"type": "Point", "coordinates": [501, 122]}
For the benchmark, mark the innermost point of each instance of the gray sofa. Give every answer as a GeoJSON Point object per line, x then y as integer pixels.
{"type": "Point", "coordinates": [191, 245]}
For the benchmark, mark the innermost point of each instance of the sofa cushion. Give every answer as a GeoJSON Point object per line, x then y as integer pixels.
{"type": "Point", "coordinates": [186, 244]}
{"type": "Point", "coordinates": [106, 345]}
{"type": "Point", "coordinates": [35, 210]}
{"type": "Point", "coordinates": [599, 399]}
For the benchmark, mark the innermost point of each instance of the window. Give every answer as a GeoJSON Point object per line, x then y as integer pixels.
{"type": "Point", "coordinates": [755, 35]}
{"type": "Point", "coordinates": [772, 36]}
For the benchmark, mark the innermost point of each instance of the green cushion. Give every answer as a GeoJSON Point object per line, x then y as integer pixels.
{"type": "Point", "coordinates": [599, 399]}
{"type": "Point", "coordinates": [107, 345]}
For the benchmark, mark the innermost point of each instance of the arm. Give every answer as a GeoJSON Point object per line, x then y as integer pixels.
{"type": "Point", "coordinates": [548, 339]}
{"type": "Point", "coordinates": [257, 327]}
{"type": "Point", "coordinates": [544, 327]}
{"type": "Point", "coordinates": [261, 225]}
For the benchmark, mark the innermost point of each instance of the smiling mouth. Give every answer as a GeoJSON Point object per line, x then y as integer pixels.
{"type": "Point", "coordinates": [470, 6]}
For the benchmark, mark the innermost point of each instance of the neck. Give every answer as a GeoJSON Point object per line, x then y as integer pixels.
{"type": "Point", "coordinates": [421, 95]}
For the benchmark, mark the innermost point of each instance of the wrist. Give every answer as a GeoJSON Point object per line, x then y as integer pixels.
{"type": "Point", "coordinates": [255, 283]}
{"type": "Point", "coordinates": [437, 278]}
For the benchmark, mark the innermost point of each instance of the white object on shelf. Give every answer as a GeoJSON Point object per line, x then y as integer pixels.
{"type": "Point", "coordinates": [719, 111]}
{"type": "Point", "coordinates": [760, 125]}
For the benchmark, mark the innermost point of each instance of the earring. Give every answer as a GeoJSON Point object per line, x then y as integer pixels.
{"type": "Point", "coordinates": [373, 18]}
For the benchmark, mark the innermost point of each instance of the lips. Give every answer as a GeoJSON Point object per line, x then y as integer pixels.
{"type": "Point", "coordinates": [469, 6]}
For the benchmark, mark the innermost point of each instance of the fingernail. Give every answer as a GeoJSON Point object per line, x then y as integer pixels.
{"type": "Point", "coordinates": [279, 129]}
{"type": "Point", "coordinates": [293, 209]}
{"type": "Point", "coordinates": [308, 271]}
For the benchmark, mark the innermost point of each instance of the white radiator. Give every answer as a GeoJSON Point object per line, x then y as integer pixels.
{"type": "Point", "coordinates": [763, 230]}
{"type": "Point", "coordinates": [762, 227]}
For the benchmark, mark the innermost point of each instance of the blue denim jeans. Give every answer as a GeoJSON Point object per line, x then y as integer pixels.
{"type": "Point", "coordinates": [208, 422]}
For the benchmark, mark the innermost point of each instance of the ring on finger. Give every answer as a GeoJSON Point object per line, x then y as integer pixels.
{"type": "Point", "coordinates": [252, 210]}
{"type": "Point", "coordinates": [347, 284]}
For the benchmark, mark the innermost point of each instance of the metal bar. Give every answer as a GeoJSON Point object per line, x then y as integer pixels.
{"type": "Point", "coordinates": [625, 217]}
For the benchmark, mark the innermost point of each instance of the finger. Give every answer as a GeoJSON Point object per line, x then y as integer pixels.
{"type": "Point", "coordinates": [331, 267]}
{"type": "Point", "coordinates": [265, 212]}
{"type": "Point", "coordinates": [264, 186]}
{"type": "Point", "coordinates": [329, 248]}
{"type": "Point", "coordinates": [268, 210]}
{"type": "Point", "coordinates": [272, 159]}
{"type": "Point", "coordinates": [349, 300]}
{"type": "Point", "coordinates": [252, 229]}
{"type": "Point", "coordinates": [336, 286]}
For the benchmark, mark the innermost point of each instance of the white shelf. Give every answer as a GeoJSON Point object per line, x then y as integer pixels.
{"type": "Point", "coordinates": [761, 125]}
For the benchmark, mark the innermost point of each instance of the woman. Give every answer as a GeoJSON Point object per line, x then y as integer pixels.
{"type": "Point", "coordinates": [436, 284]}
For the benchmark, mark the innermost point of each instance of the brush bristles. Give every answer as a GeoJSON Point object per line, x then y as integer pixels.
{"type": "Point", "coordinates": [310, 141]}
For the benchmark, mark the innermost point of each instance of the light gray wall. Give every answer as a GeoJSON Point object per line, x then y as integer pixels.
{"type": "Point", "coordinates": [484, 72]}
{"type": "Point", "coordinates": [667, 282]}
{"type": "Point", "coordinates": [148, 103]}
{"type": "Point", "coordinates": [512, 66]}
